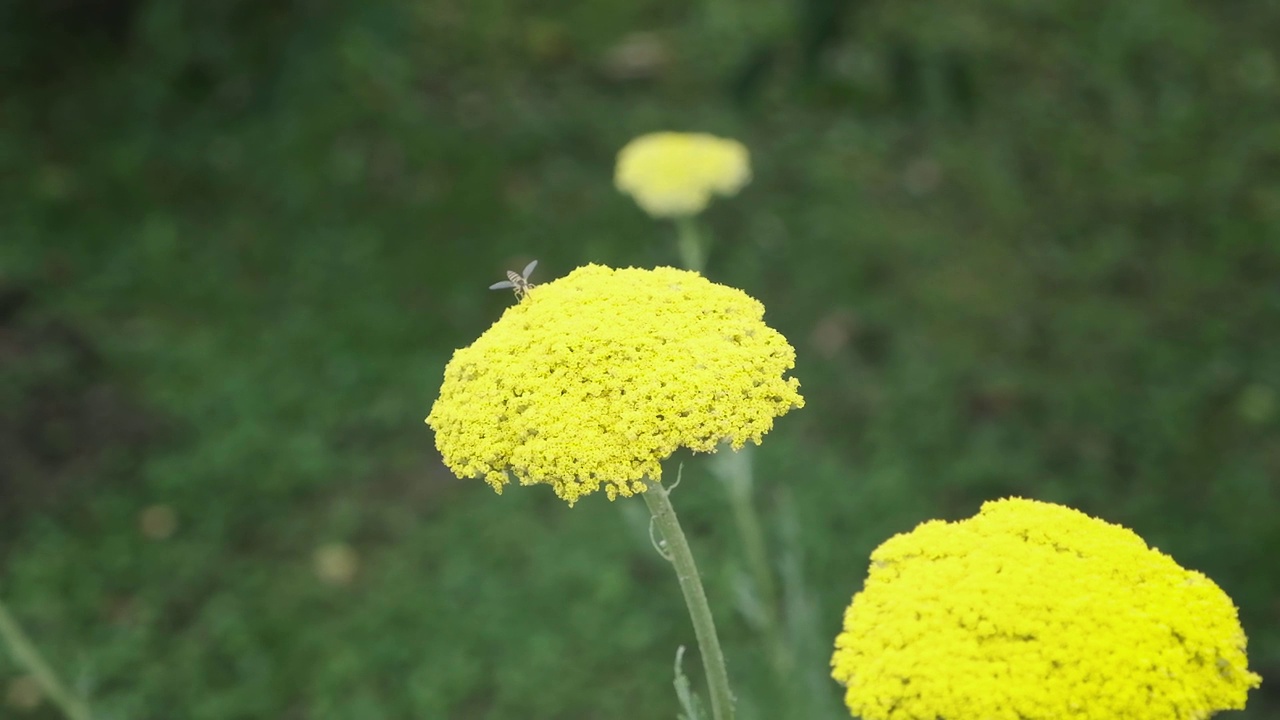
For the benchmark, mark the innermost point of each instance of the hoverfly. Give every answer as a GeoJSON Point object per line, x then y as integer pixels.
{"type": "Point", "coordinates": [520, 283]}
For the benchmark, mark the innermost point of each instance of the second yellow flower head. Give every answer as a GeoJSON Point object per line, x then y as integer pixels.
{"type": "Point", "coordinates": [1035, 610]}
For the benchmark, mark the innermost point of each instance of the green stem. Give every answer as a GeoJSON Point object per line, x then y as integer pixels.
{"type": "Point", "coordinates": [704, 627]}
{"type": "Point", "coordinates": [693, 250]}
{"type": "Point", "coordinates": [734, 469]}
{"type": "Point", "coordinates": [25, 652]}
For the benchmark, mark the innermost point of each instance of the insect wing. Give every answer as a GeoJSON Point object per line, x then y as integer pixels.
{"type": "Point", "coordinates": [502, 285]}
{"type": "Point", "coordinates": [529, 269]}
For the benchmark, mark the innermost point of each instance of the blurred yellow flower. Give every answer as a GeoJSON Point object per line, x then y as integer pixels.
{"type": "Point", "coordinates": [335, 563]}
{"type": "Point", "coordinates": [1034, 610]}
{"type": "Point", "coordinates": [674, 174]}
{"type": "Point", "coordinates": [597, 377]}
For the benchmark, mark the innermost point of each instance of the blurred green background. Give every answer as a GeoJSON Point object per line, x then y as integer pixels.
{"type": "Point", "coordinates": [1021, 249]}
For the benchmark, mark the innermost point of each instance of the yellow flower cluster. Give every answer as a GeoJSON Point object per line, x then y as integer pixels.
{"type": "Point", "coordinates": [595, 378]}
{"type": "Point", "coordinates": [674, 174]}
{"type": "Point", "coordinates": [1031, 610]}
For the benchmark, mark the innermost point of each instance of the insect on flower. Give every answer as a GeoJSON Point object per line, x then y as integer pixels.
{"type": "Point", "coordinates": [520, 283]}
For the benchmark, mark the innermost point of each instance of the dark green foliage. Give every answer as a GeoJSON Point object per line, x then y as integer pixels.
{"type": "Point", "coordinates": [1021, 248]}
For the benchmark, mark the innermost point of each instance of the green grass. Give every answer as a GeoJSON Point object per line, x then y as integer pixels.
{"type": "Point", "coordinates": [1053, 279]}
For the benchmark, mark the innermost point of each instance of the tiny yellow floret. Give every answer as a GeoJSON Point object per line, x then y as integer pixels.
{"type": "Point", "coordinates": [1035, 611]}
{"type": "Point", "coordinates": [673, 174]}
{"type": "Point", "coordinates": [594, 379]}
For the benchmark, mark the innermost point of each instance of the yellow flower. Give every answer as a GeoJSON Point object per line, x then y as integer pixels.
{"type": "Point", "coordinates": [595, 378]}
{"type": "Point", "coordinates": [674, 174]}
{"type": "Point", "coordinates": [1034, 610]}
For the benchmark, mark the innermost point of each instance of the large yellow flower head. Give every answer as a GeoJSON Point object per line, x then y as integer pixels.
{"type": "Point", "coordinates": [593, 379]}
{"type": "Point", "coordinates": [1034, 611]}
{"type": "Point", "coordinates": [674, 174]}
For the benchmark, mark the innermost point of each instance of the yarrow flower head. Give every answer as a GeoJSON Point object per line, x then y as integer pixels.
{"type": "Point", "coordinates": [1034, 611]}
{"type": "Point", "coordinates": [674, 174]}
{"type": "Point", "coordinates": [595, 378]}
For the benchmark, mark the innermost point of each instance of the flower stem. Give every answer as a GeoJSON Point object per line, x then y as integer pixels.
{"type": "Point", "coordinates": [704, 627]}
{"type": "Point", "coordinates": [734, 469]}
{"type": "Point", "coordinates": [25, 652]}
{"type": "Point", "coordinates": [692, 247]}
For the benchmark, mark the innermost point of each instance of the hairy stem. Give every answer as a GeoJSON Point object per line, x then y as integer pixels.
{"type": "Point", "coordinates": [677, 551]}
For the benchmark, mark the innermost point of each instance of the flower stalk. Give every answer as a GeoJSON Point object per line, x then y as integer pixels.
{"type": "Point", "coordinates": [734, 470]}
{"type": "Point", "coordinates": [27, 656]}
{"type": "Point", "coordinates": [691, 245]}
{"type": "Point", "coordinates": [677, 550]}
